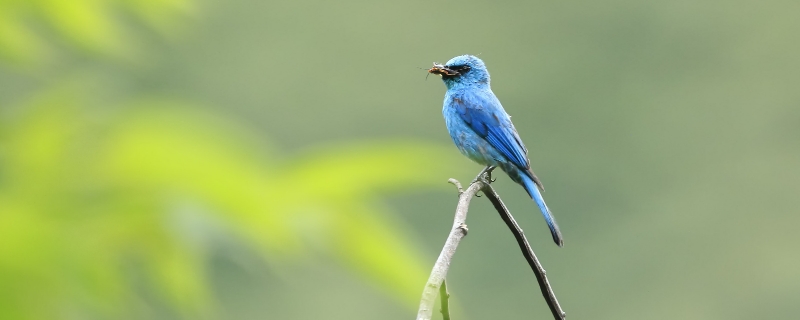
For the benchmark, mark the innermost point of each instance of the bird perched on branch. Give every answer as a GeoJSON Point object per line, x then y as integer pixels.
{"type": "Point", "coordinates": [482, 130]}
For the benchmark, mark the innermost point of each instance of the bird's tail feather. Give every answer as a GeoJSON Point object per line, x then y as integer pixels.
{"type": "Point", "coordinates": [533, 191]}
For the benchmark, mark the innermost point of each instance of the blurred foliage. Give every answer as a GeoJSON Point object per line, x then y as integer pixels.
{"type": "Point", "coordinates": [109, 204]}
{"type": "Point", "coordinates": [665, 131]}
{"type": "Point", "coordinates": [33, 31]}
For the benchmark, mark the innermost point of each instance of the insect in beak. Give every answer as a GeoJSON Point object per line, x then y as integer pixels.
{"type": "Point", "coordinates": [442, 70]}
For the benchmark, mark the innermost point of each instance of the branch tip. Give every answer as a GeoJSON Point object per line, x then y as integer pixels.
{"type": "Point", "coordinates": [457, 184]}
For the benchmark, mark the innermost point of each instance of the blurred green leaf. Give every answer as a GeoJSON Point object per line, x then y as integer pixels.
{"type": "Point", "coordinates": [84, 198]}
{"type": "Point", "coordinates": [271, 201]}
{"type": "Point", "coordinates": [85, 22]}
{"type": "Point", "coordinates": [91, 26]}
{"type": "Point", "coordinates": [18, 44]}
{"type": "Point", "coordinates": [91, 199]}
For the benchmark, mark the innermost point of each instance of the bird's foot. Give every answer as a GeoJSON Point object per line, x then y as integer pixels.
{"type": "Point", "coordinates": [486, 175]}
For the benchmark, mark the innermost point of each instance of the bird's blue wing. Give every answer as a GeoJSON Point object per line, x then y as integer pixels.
{"type": "Point", "coordinates": [484, 114]}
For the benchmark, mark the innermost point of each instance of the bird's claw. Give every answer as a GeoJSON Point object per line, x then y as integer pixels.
{"type": "Point", "coordinates": [486, 175]}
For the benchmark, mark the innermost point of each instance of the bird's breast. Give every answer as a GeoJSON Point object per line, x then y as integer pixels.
{"type": "Point", "coordinates": [466, 140]}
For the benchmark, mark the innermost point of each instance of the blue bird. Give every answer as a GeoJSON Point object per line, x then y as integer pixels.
{"type": "Point", "coordinates": [482, 130]}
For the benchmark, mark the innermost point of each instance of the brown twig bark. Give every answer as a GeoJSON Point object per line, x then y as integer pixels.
{"type": "Point", "coordinates": [530, 256]}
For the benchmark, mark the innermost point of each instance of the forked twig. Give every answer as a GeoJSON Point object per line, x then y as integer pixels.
{"type": "Point", "coordinates": [482, 183]}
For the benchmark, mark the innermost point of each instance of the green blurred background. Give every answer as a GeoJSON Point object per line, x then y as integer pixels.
{"type": "Point", "coordinates": [201, 159]}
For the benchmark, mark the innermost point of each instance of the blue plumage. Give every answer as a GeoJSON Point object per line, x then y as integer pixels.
{"type": "Point", "coordinates": [482, 130]}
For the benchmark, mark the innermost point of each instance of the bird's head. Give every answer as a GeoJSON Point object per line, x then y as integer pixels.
{"type": "Point", "coordinates": [462, 71]}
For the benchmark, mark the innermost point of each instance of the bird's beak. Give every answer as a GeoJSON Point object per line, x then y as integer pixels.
{"type": "Point", "coordinates": [442, 70]}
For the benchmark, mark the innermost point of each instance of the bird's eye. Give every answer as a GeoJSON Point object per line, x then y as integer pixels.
{"type": "Point", "coordinates": [460, 69]}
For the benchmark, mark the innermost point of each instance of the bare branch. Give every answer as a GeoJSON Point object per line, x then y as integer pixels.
{"type": "Point", "coordinates": [458, 232]}
{"type": "Point", "coordinates": [533, 261]}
